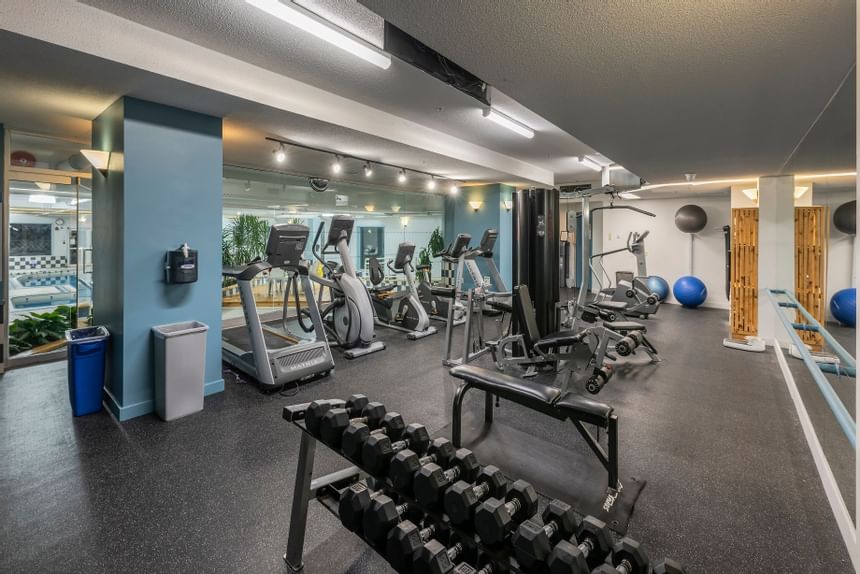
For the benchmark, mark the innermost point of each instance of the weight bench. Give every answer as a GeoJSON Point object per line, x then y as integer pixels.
{"type": "Point", "coordinates": [544, 399]}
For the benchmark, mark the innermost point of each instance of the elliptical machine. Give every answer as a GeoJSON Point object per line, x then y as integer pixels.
{"type": "Point", "coordinates": [435, 304]}
{"type": "Point", "coordinates": [348, 318]}
{"type": "Point", "coordinates": [401, 310]}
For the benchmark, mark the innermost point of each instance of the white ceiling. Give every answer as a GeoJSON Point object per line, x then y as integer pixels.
{"type": "Point", "coordinates": [717, 88]}
{"type": "Point", "coordinates": [294, 86]}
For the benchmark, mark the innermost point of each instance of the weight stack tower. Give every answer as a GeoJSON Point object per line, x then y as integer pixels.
{"type": "Point", "coordinates": [535, 252]}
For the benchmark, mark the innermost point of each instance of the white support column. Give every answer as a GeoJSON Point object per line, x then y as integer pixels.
{"type": "Point", "coordinates": [775, 249]}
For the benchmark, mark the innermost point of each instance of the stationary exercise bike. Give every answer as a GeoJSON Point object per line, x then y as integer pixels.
{"type": "Point", "coordinates": [348, 317]}
{"type": "Point", "coordinates": [401, 310]}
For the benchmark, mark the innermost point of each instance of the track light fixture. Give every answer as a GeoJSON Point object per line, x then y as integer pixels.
{"type": "Point", "coordinates": [280, 154]}
{"type": "Point", "coordinates": [368, 165]}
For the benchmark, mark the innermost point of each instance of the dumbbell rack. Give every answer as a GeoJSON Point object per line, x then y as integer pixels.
{"type": "Point", "coordinates": [323, 489]}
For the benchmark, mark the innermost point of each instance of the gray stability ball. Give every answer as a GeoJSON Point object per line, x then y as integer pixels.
{"type": "Point", "coordinates": [691, 219]}
{"type": "Point", "coordinates": [845, 218]}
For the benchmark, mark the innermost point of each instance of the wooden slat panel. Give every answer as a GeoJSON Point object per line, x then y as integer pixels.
{"type": "Point", "coordinates": [744, 279]}
{"type": "Point", "coordinates": [811, 229]}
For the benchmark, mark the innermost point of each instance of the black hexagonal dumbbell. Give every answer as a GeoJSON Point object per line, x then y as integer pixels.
{"type": "Point", "coordinates": [494, 519]}
{"type": "Point", "coordinates": [431, 481]}
{"type": "Point", "coordinates": [627, 558]}
{"type": "Point", "coordinates": [383, 515]}
{"type": "Point", "coordinates": [335, 421]}
{"type": "Point", "coordinates": [354, 502]}
{"type": "Point", "coordinates": [533, 543]}
{"type": "Point", "coordinates": [669, 566]}
{"type": "Point", "coordinates": [462, 498]}
{"type": "Point", "coordinates": [435, 558]}
{"type": "Point", "coordinates": [584, 552]}
{"type": "Point", "coordinates": [316, 409]}
{"type": "Point", "coordinates": [406, 538]}
{"type": "Point", "coordinates": [464, 568]}
{"type": "Point", "coordinates": [357, 433]}
{"type": "Point", "coordinates": [404, 464]}
{"type": "Point", "coordinates": [379, 448]}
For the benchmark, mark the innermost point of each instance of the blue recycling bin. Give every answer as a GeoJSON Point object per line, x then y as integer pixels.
{"type": "Point", "coordinates": [87, 348]}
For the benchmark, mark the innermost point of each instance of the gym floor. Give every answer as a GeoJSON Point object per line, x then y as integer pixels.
{"type": "Point", "coordinates": [731, 483]}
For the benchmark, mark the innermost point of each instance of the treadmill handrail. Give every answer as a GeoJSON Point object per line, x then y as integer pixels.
{"type": "Point", "coordinates": [246, 272]}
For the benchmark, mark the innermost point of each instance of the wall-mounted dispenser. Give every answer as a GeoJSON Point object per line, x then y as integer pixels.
{"type": "Point", "coordinates": [180, 265]}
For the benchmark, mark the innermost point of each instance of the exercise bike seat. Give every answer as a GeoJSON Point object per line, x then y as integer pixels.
{"type": "Point", "coordinates": [622, 326]}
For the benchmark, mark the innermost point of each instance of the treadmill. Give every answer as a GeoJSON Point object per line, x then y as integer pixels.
{"type": "Point", "coordinates": [273, 354]}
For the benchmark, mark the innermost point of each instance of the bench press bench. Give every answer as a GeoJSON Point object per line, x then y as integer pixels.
{"type": "Point", "coordinates": [550, 401]}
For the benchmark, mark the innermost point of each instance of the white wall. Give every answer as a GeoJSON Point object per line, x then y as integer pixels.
{"type": "Point", "coordinates": [667, 248]}
{"type": "Point", "coordinates": [840, 247]}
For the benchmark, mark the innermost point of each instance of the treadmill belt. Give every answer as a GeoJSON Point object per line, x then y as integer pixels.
{"type": "Point", "coordinates": [239, 337]}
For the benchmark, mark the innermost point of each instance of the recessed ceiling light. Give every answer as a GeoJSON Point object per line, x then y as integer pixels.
{"type": "Point", "coordinates": [40, 198]}
{"type": "Point", "coordinates": [508, 122]}
{"type": "Point", "coordinates": [293, 14]}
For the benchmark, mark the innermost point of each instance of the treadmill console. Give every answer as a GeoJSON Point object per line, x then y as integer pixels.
{"type": "Point", "coordinates": [340, 224]}
{"type": "Point", "coordinates": [488, 241]}
{"type": "Point", "coordinates": [286, 244]}
{"type": "Point", "coordinates": [461, 243]}
{"type": "Point", "coordinates": [405, 253]}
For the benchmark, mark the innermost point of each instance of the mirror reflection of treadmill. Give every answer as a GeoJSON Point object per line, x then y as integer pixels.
{"type": "Point", "coordinates": [292, 347]}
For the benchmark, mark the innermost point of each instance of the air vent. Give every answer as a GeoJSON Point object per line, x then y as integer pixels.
{"type": "Point", "coordinates": [399, 43]}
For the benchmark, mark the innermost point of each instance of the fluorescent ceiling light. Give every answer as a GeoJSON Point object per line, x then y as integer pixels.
{"type": "Point", "coordinates": [799, 191]}
{"type": "Point", "coordinates": [40, 198]}
{"type": "Point", "coordinates": [98, 159]}
{"type": "Point", "coordinates": [629, 195]}
{"type": "Point", "coordinates": [292, 13]}
{"type": "Point", "coordinates": [751, 193]}
{"type": "Point", "coordinates": [79, 201]}
{"type": "Point", "coordinates": [825, 175]}
{"type": "Point", "coordinates": [509, 123]}
{"type": "Point", "coordinates": [589, 163]}
{"type": "Point", "coordinates": [43, 186]}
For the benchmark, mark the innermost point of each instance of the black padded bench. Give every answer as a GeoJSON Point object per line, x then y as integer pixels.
{"type": "Point", "coordinates": [544, 399]}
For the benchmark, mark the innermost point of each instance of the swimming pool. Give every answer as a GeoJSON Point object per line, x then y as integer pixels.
{"type": "Point", "coordinates": [39, 290]}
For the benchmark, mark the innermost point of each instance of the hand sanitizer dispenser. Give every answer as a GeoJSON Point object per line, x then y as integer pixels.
{"type": "Point", "coordinates": [180, 265]}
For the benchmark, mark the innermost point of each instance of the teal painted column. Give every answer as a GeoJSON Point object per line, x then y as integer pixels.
{"type": "Point", "coordinates": [460, 217]}
{"type": "Point", "coordinates": [163, 189]}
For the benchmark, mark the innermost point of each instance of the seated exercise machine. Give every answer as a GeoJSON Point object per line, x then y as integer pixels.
{"type": "Point", "coordinates": [273, 356]}
{"type": "Point", "coordinates": [630, 289]}
{"type": "Point", "coordinates": [348, 318]}
{"type": "Point", "coordinates": [401, 310]}
{"type": "Point", "coordinates": [528, 349]}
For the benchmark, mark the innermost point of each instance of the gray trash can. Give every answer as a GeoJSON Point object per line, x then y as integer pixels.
{"type": "Point", "coordinates": [180, 367]}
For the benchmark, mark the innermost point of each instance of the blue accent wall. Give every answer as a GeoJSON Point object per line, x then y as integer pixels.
{"type": "Point", "coordinates": [163, 189]}
{"type": "Point", "coordinates": [461, 218]}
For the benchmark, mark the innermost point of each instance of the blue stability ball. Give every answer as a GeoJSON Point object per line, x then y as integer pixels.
{"type": "Point", "coordinates": [843, 306]}
{"type": "Point", "coordinates": [690, 291]}
{"type": "Point", "coordinates": [658, 286]}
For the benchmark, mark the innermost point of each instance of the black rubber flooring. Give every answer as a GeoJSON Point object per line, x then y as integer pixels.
{"type": "Point", "coordinates": [731, 484]}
